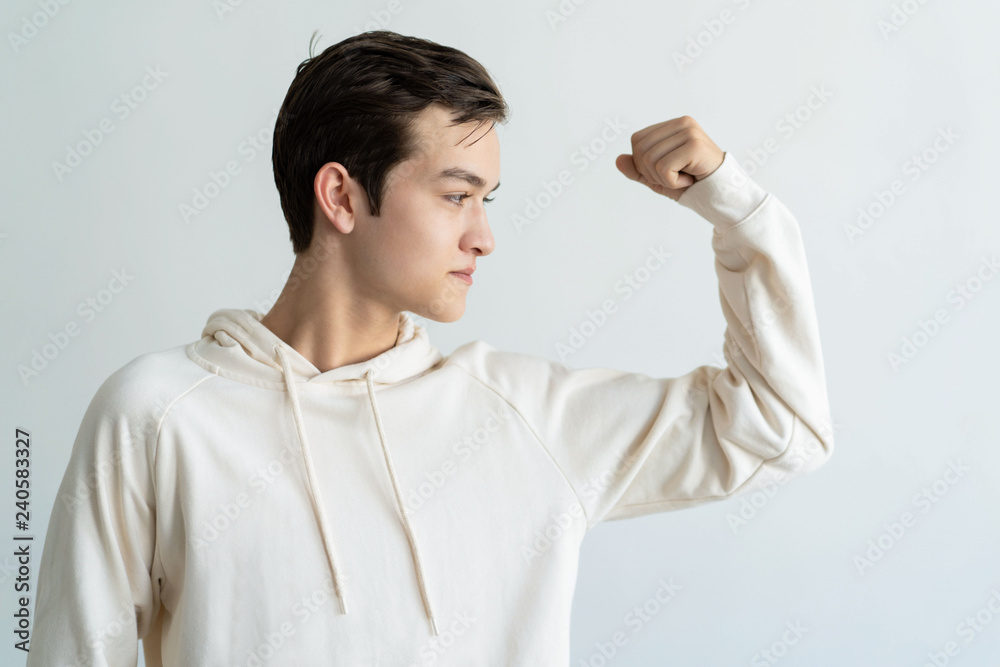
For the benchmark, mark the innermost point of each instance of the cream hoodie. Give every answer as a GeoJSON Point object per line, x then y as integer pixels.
{"type": "Point", "coordinates": [229, 504]}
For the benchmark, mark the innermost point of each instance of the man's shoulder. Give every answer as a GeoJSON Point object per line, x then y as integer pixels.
{"type": "Point", "coordinates": [149, 384]}
{"type": "Point", "coordinates": [502, 368]}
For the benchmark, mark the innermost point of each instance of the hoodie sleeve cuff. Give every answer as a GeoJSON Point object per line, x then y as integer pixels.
{"type": "Point", "coordinates": [725, 197]}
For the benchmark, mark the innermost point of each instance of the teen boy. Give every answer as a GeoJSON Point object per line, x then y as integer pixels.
{"type": "Point", "coordinates": [319, 485]}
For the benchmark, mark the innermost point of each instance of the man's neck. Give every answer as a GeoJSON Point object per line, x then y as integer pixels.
{"type": "Point", "coordinates": [330, 336]}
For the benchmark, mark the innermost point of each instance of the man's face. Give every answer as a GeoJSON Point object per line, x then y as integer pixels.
{"type": "Point", "coordinates": [431, 224]}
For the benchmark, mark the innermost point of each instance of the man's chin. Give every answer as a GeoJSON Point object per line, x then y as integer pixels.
{"type": "Point", "coordinates": [444, 313]}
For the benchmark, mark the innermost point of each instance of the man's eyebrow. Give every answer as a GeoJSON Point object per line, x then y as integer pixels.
{"type": "Point", "coordinates": [457, 173]}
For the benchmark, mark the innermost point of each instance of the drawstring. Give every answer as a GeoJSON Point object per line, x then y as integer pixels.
{"type": "Point", "coordinates": [317, 501]}
{"type": "Point", "coordinates": [402, 508]}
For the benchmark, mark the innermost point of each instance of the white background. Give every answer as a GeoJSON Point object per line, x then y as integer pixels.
{"type": "Point", "coordinates": [888, 94]}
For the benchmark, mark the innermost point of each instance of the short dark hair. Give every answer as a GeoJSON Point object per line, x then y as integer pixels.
{"type": "Point", "coordinates": [356, 103]}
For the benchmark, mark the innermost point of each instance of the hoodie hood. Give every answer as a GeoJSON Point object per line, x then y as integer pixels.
{"type": "Point", "coordinates": [234, 344]}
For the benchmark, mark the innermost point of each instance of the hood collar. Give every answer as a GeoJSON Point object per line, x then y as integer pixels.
{"type": "Point", "coordinates": [236, 343]}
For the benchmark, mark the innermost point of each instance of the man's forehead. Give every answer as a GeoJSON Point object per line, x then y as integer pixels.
{"type": "Point", "coordinates": [442, 149]}
{"type": "Point", "coordinates": [435, 132]}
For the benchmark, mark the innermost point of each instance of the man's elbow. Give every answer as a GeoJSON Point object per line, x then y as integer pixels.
{"type": "Point", "coordinates": [811, 446]}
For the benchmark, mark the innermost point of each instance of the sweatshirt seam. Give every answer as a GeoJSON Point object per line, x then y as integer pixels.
{"type": "Point", "coordinates": [737, 226]}
{"type": "Point", "coordinates": [156, 453]}
{"type": "Point", "coordinates": [219, 371]}
{"type": "Point", "coordinates": [166, 412]}
{"type": "Point", "coordinates": [734, 492]}
{"type": "Point", "coordinates": [530, 428]}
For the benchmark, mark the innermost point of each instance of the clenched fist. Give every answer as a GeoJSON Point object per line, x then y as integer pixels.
{"type": "Point", "coordinates": [670, 156]}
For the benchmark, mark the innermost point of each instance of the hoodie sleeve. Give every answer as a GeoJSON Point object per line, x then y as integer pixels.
{"type": "Point", "coordinates": [630, 444]}
{"type": "Point", "coordinates": [95, 597]}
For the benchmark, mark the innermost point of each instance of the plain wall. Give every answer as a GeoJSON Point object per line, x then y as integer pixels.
{"type": "Point", "coordinates": [838, 97]}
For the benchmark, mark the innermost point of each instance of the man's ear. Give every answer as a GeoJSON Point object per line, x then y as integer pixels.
{"type": "Point", "coordinates": [336, 195]}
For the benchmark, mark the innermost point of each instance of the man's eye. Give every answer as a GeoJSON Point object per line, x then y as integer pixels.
{"type": "Point", "coordinates": [459, 198]}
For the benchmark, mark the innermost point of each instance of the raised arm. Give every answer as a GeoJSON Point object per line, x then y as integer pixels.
{"type": "Point", "coordinates": [630, 444]}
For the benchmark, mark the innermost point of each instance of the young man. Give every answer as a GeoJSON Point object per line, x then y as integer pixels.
{"type": "Point", "coordinates": [319, 485]}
